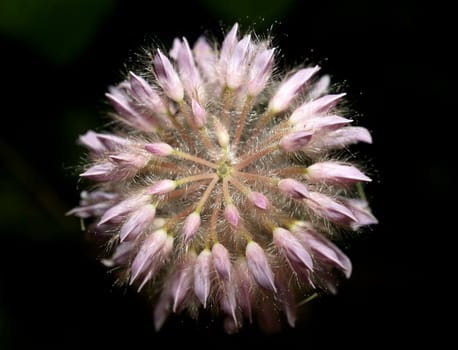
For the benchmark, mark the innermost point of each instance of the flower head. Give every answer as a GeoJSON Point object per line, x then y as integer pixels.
{"type": "Point", "coordinates": [220, 189]}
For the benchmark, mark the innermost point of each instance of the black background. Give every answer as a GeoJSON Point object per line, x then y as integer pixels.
{"type": "Point", "coordinates": [395, 62]}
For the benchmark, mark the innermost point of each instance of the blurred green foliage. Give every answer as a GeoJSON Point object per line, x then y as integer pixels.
{"type": "Point", "coordinates": [59, 29]}
{"type": "Point", "coordinates": [257, 14]}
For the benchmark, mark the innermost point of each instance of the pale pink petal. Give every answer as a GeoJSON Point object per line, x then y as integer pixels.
{"type": "Point", "coordinates": [260, 71]}
{"type": "Point", "coordinates": [232, 215]}
{"type": "Point", "coordinates": [121, 255]}
{"type": "Point", "coordinates": [189, 74]}
{"type": "Point", "coordinates": [160, 149]}
{"type": "Point", "coordinates": [124, 207]}
{"type": "Point", "coordinates": [101, 172]}
{"type": "Point", "coordinates": [258, 200]}
{"type": "Point", "coordinates": [149, 250]}
{"type": "Point", "coordinates": [137, 223]}
{"type": "Point", "coordinates": [322, 247]}
{"type": "Point", "coordinates": [259, 266]}
{"type": "Point", "coordinates": [323, 123]}
{"type": "Point", "coordinates": [334, 172]}
{"type": "Point", "coordinates": [287, 298]}
{"type": "Point", "coordinates": [222, 261]}
{"type": "Point", "coordinates": [315, 108]}
{"type": "Point", "coordinates": [360, 208]}
{"type": "Point", "coordinates": [343, 137]}
{"type": "Point", "coordinates": [162, 187]}
{"type": "Point", "coordinates": [168, 78]}
{"type": "Point", "coordinates": [327, 207]}
{"type": "Point", "coordinates": [295, 141]}
{"type": "Point", "coordinates": [293, 188]}
{"type": "Point", "coordinates": [92, 142]}
{"type": "Point", "coordinates": [289, 89]}
{"type": "Point", "coordinates": [245, 284]}
{"type": "Point", "coordinates": [202, 276]}
{"type": "Point", "coordinates": [292, 248]}
{"type": "Point", "coordinates": [229, 42]}
{"type": "Point", "coordinates": [206, 59]}
{"type": "Point", "coordinates": [237, 63]}
{"type": "Point", "coordinates": [198, 113]}
{"type": "Point", "coordinates": [182, 280]}
{"type": "Point", "coordinates": [191, 225]}
{"type": "Point", "coordinates": [320, 87]}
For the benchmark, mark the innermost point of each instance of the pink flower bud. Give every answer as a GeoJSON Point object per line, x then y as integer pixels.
{"type": "Point", "coordinates": [191, 225]}
{"type": "Point", "coordinates": [259, 266]}
{"type": "Point", "coordinates": [260, 71]}
{"type": "Point", "coordinates": [182, 280]}
{"type": "Point", "coordinates": [137, 223]}
{"type": "Point", "coordinates": [206, 59]}
{"type": "Point", "coordinates": [322, 248]}
{"type": "Point", "coordinates": [202, 276]}
{"type": "Point", "coordinates": [222, 134]}
{"type": "Point", "coordinates": [293, 188]}
{"type": "Point", "coordinates": [323, 123]}
{"type": "Point", "coordinates": [229, 42]}
{"type": "Point", "coordinates": [101, 172]}
{"type": "Point", "coordinates": [92, 142]}
{"type": "Point", "coordinates": [232, 215]}
{"type": "Point", "coordinates": [168, 78]}
{"type": "Point", "coordinates": [189, 74]}
{"type": "Point", "coordinates": [292, 248]}
{"type": "Point", "coordinates": [132, 160]}
{"type": "Point", "coordinates": [162, 187]}
{"type": "Point", "coordinates": [295, 141]}
{"type": "Point", "coordinates": [258, 200]}
{"type": "Point", "coordinates": [149, 250]}
{"type": "Point", "coordinates": [327, 207]}
{"type": "Point", "coordinates": [334, 172]}
{"type": "Point", "coordinates": [238, 62]}
{"type": "Point", "coordinates": [315, 108]}
{"type": "Point", "coordinates": [160, 149]}
{"type": "Point", "coordinates": [157, 262]}
{"type": "Point", "coordinates": [221, 261]}
{"type": "Point", "coordinates": [360, 209]}
{"type": "Point", "coordinates": [199, 114]}
{"type": "Point", "coordinates": [289, 89]}
{"type": "Point", "coordinates": [343, 137]}
{"type": "Point", "coordinates": [124, 207]}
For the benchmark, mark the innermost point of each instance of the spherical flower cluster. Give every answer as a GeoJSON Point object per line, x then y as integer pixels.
{"type": "Point", "coordinates": [220, 187]}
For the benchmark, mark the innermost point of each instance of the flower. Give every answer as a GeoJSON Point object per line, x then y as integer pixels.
{"type": "Point", "coordinates": [219, 188]}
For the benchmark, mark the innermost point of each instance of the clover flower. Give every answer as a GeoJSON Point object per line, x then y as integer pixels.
{"type": "Point", "coordinates": [220, 188]}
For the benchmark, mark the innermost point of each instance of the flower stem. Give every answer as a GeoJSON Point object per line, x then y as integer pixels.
{"type": "Point", "coordinates": [241, 123]}
{"type": "Point", "coordinates": [184, 155]}
{"type": "Point", "coordinates": [206, 194]}
{"type": "Point", "coordinates": [255, 156]}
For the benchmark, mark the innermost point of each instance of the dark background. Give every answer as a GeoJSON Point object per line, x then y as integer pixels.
{"type": "Point", "coordinates": [57, 59]}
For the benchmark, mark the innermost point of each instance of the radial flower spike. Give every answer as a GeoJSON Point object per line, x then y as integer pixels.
{"type": "Point", "coordinates": [219, 190]}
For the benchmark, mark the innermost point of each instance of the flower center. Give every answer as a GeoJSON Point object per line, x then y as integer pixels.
{"type": "Point", "coordinates": [224, 169]}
